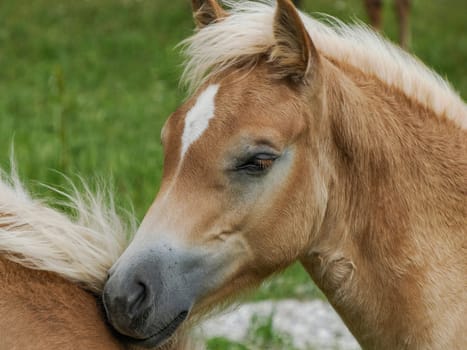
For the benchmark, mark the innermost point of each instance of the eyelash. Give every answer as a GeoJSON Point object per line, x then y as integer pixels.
{"type": "Point", "coordinates": [264, 163]}
{"type": "Point", "coordinates": [258, 163]}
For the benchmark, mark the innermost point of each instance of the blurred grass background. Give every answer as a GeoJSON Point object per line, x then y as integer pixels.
{"type": "Point", "coordinates": [85, 87]}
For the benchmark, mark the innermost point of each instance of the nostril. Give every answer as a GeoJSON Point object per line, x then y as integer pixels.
{"type": "Point", "coordinates": [138, 299]}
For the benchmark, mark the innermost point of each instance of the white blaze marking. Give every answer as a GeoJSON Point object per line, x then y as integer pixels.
{"type": "Point", "coordinates": [197, 119]}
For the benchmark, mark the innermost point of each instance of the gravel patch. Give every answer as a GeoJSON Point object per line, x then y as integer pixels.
{"type": "Point", "coordinates": [310, 324]}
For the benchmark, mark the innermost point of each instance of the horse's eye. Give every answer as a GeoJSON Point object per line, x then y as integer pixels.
{"type": "Point", "coordinates": [258, 163]}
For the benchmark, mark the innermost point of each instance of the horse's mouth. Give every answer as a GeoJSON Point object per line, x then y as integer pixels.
{"type": "Point", "coordinates": [160, 336]}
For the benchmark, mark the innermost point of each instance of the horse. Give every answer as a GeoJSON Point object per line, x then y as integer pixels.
{"type": "Point", "coordinates": [52, 270]}
{"type": "Point", "coordinates": [311, 142]}
{"type": "Point", "coordinates": [374, 10]}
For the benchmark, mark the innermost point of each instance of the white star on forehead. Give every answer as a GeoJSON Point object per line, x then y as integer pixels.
{"type": "Point", "coordinates": [198, 117]}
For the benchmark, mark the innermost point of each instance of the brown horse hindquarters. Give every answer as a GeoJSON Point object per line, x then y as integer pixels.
{"type": "Point", "coordinates": [43, 311]}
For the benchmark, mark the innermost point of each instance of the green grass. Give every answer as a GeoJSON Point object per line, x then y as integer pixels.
{"type": "Point", "coordinates": [85, 87]}
{"type": "Point", "coordinates": [261, 335]}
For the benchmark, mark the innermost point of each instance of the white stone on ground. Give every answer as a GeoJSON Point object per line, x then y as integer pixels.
{"type": "Point", "coordinates": [310, 324]}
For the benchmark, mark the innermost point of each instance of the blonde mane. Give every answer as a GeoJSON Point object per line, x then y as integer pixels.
{"type": "Point", "coordinates": [247, 33]}
{"type": "Point", "coordinates": [80, 248]}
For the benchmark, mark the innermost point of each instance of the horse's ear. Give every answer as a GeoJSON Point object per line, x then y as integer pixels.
{"type": "Point", "coordinates": [206, 12]}
{"type": "Point", "coordinates": [293, 53]}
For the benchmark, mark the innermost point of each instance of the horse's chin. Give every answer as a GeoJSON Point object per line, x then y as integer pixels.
{"type": "Point", "coordinates": [159, 338]}
{"type": "Point", "coordinates": [151, 342]}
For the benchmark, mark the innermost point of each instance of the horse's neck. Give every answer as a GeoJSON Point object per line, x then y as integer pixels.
{"type": "Point", "coordinates": [387, 255]}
